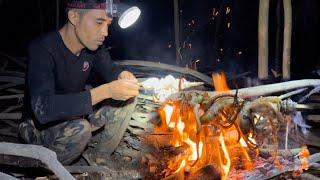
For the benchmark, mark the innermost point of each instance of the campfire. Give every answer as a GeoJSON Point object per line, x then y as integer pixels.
{"type": "Point", "coordinates": [224, 136]}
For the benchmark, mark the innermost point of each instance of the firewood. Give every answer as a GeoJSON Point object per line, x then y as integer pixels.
{"type": "Point", "coordinates": [43, 154]}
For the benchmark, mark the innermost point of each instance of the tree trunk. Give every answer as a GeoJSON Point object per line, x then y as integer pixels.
{"type": "Point", "coordinates": [177, 30]}
{"type": "Point", "coordinates": [263, 39]}
{"type": "Point", "coordinates": [287, 39]}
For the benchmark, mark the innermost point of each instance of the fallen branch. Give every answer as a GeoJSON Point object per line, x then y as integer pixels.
{"type": "Point", "coordinates": [43, 154]}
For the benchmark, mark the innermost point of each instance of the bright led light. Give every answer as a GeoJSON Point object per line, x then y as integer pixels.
{"type": "Point", "coordinates": [129, 17]}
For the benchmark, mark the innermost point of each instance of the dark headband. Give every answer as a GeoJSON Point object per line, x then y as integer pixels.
{"type": "Point", "coordinates": [87, 4]}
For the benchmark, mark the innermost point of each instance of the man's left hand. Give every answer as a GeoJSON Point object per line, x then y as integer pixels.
{"type": "Point", "coordinates": [127, 75]}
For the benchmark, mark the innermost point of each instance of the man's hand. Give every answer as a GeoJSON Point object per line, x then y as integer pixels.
{"type": "Point", "coordinates": [127, 75]}
{"type": "Point", "coordinates": [122, 89]}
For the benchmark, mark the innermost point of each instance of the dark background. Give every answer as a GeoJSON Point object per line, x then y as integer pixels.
{"type": "Point", "coordinates": [205, 36]}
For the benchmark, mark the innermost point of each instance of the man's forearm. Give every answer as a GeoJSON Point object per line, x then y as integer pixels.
{"type": "Point", "coordinates": [99, 94]}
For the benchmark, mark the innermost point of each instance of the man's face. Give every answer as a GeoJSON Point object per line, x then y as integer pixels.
{"type": "Point", "coordinates": [92, 28]}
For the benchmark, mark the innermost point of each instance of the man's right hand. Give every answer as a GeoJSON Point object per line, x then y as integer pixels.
{"type": "Point", "coordinates": [122, 89]}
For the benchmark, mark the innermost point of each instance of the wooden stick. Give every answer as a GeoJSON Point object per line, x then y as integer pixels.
{"type": "Point", "coordinates": [14, 90]}
{"type": "Point", "coordinates": [191, 72]}
{"type": "Point", "coordinates": [9, 85]}
{"type": "Point", "coordinates": [13, 116]}
{"type": "Point", "coordinates": [11, 108]}
{"type": "Point", "coordinates": [265, 89]}
{"type": "Point", "coordinates": [17, 96]}
{"type": "Point", "coordinates": [43, 154]}
{"type": "Point", "coordinates": [285, 96]}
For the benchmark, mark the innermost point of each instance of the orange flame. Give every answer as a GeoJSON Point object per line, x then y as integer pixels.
{"type": "Point", "coordinates": [220, 82]}
{"type": "Point", "coordinates": [206, 145]}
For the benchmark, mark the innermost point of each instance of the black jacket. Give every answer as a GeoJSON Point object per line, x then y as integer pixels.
{"type": "Point", "coordinates": [56, 79]}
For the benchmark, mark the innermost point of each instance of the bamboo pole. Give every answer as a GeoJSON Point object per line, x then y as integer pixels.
{"type": "Point", "coordinates": [287, 39]}
{"type": "Point", "coordinates": [263, 39]}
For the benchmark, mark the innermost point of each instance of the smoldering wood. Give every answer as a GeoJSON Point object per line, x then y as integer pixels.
{"type": "Point", "coordinates": [43, 154]}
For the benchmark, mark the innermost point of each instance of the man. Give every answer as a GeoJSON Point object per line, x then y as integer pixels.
{"type": "Point", "coordinates": [58, 68]}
